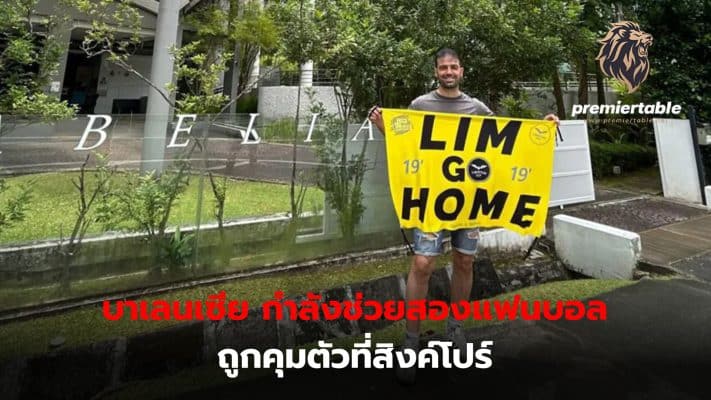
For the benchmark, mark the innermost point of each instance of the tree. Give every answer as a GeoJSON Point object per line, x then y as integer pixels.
{"type": "Point", "coordinates": [679, 68]}
{"type": "Point", "coordinates": [384, 50]}
{"type": "Point", "coordinates": [218, 27]}
{"type": "Point", "coordinates": [90, 194]}
{"type": "Point", "coordinates": [383, 53]}
{"type": "Point", "coordinates": [511, 42]}
{"type": "Point", "coordinates": [29, 55]}
{"type": "Point", "coordinates": [339, 176]}
{"type": "Point", "coordinates": [147, 201]}
{"type": "Point", "coordinates": [578, 32]}
{"type": "Point", "coordinates": [251, 30]}
{"type": "Point", "coordinates": [324, 32]}
{"type": "Point", "coordinates": [300, 38]}
{"type": "Point", "coordinates": [225, 32]}
{"type": "Point", "coordinates": [593, 23]}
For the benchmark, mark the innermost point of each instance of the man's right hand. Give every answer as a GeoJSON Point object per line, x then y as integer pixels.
{"type": "Point", "coordinates": [376, 118]}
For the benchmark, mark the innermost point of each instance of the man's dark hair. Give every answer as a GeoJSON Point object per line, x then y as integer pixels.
{"type": "Point", "coordinates": [443, 52]}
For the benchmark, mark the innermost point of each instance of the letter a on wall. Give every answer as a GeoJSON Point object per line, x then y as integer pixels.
{"type": "Point", "coordinates": [451, 171]}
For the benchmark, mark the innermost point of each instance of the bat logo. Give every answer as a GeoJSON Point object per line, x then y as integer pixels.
{"type": "Point", "coordinates": [478, 170]}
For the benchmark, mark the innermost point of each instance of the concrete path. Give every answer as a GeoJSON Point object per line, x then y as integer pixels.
{"type": "Point", "coordinates": [670, 244]}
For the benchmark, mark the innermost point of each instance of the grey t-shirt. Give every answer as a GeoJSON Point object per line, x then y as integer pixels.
{"type": "Point", "coordinates": [463, 104]}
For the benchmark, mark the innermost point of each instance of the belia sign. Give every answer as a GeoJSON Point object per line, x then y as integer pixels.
{"type": "Point", "coordinates": [95, 131]}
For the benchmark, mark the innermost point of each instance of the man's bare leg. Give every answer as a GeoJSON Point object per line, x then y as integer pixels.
{"type": "Point", "coordinates": [462, 274]}
{"type": "Point", "coordinates": [461, 288]}
{"type": "Point", "coordinates": [418, 280]}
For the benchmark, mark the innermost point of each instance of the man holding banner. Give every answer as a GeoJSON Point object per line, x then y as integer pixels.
{"type": "Point", "coordinates": [444, 178]}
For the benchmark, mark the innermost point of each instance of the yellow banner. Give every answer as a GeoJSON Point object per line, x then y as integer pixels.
{"type": "Point", "coordinates": [452, 171]}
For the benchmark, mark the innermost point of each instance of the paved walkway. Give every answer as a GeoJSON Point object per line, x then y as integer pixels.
{"type": "Point", "coordinates": [670, 244]}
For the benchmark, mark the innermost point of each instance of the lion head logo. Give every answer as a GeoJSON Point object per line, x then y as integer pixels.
{"type": "Point", "coordinates": [623, 54]}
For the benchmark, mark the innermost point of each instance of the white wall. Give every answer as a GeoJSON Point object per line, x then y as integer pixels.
{"type": "Point", "coordinates": [121, 85]}
{"type": "Point", "coordinates": [596, 250]}
{"type": "Point", "coordinates": [677, 159]}
{"type": "Point", "coordinates": [572, 167]}
{"type": "Point", "coordinates": [280, 101]}
{"type": "Point", "coordinates": [51, 7]}
{"type": "Point", "coordinates": [542, 99]}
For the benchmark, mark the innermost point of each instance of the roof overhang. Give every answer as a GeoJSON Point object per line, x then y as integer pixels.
{"type": "Point", "coordinates": [152, 5]}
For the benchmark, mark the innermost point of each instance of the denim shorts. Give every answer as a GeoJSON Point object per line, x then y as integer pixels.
{"type": "Point", "coordinates": [430, 244]}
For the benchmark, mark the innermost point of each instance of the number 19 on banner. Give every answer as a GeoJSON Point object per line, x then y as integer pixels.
{"type": "Point", "coordinates": [413, 166]}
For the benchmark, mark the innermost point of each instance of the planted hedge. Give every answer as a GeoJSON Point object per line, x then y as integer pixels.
{"type": "Point", "coordinates": [706, 159]}
{"type": "Point", "coordinates": [629, 156]}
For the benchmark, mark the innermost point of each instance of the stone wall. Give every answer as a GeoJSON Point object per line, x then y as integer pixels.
{"type": "Point", "coordinates": [125, 252]}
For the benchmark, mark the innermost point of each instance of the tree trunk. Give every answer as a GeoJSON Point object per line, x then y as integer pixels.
{"type": "Point", "coordinates": [558, 94]}
{"type": "Point", "coordinates": [583, 82]}
{"type": "Point", "coordinates": [600, 82]}
{"type": "Point", "coordinates": [231, 80]}
{"type": "Point", "coordinates": [292, 186]}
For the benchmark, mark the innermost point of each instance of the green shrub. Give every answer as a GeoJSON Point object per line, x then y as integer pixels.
{"type": "Point", "coordinates": [629, 156]}
{"type": "Point", "coordinates": [706, 158]}
{"type": "Point", "coordinates": [280, 130]}
{"type": "Point", "coordinates": [178, 250]}
{"type": "Point", "coordinates": [247, 104]}
{"type": "Point", "coordinates": [518, 106]}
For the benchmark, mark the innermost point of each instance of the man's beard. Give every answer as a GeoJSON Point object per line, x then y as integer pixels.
{"type": "Point", "coordinates": [449, 85]}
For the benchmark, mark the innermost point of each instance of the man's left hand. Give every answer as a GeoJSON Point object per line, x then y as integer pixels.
{"type": "Point", "coordinates": [552, 117]}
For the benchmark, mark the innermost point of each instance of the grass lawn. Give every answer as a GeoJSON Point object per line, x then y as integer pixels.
{"type": "Point", "coordinates": [87, 325]}
{"type": "Point", "coordinates": [51, 212]}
